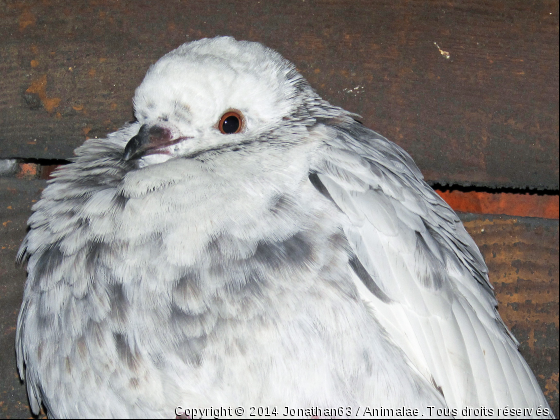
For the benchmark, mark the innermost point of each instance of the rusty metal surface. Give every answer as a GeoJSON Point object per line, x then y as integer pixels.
{"type": "Point", "coordinates": [469, 88]}
{"type": "Point", "coordinates": [522, 254]}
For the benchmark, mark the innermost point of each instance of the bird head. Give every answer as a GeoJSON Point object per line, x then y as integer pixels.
{"type": "Point", "coordinates": [211, 95]}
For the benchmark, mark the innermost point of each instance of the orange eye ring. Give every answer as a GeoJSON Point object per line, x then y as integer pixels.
{"type": "Point", "coordinates": [232, 122]}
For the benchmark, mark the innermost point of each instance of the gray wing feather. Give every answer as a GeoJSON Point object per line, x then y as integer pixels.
{"type": "Point", "coordinates": [431, 289]}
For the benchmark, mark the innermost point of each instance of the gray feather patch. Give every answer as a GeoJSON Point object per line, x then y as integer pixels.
{"type": "Point", "coordinates": [432, 276]}
{"type": "Point", "coordinates": [297, 250]}
{"type": "Point", "coordinates": [364, 276]}
{"type": "Point", "coordinates": [319, 186]}
{"type": "Point", "coordinates": [50, 259]}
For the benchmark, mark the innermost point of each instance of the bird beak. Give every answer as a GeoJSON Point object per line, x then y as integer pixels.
{"type": "Point", "coordinates": [149, 140]}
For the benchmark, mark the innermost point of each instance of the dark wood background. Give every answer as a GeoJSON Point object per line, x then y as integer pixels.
{"type": "Point", "coordinates": [480, 107]}
{"type": "Point", "coordinates": [469, 88]}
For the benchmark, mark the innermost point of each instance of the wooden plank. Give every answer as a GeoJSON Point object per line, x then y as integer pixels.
{"type": "Point", "coordinates": [511, 204]}
{"type": "Point", "coordinates": [522, 257]}
{"type": "Point", "coordinates": [16, 198]}
{"type": "Point", "coordinates": [469, 88]}
{"type": "Point", "coordinates": [522, 254]}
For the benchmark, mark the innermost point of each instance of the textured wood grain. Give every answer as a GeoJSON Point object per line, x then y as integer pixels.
{"type": "Point", "coordinates": [469, 88]}
{"type": "Point", "coordinates": [512, 204]}
{"type": "Point", "coordinates": [522, 255]}
{"type": "Point", "coordinates": [16, 199]}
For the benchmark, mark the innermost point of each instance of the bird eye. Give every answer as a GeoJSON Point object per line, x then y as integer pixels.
{"type": "Point", "coordinates": [231, 122]}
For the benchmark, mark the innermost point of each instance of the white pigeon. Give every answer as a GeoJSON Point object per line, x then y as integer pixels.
{"type": "Point", "coordinates": [244, 245]}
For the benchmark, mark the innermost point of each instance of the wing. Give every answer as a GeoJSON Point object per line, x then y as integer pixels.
{"type": "Point", "coordinates": [421, 272]}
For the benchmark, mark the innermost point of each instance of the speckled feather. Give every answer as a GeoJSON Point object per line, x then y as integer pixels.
{"type": "Point", "coordinates": [302, 262]}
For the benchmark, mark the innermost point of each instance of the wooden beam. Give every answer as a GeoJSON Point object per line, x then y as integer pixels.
{"type": "Point", "coordinates": [469, 88]}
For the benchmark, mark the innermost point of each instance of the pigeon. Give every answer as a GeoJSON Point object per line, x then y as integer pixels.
{"type": "Point", "coordinates": [247, 247]}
